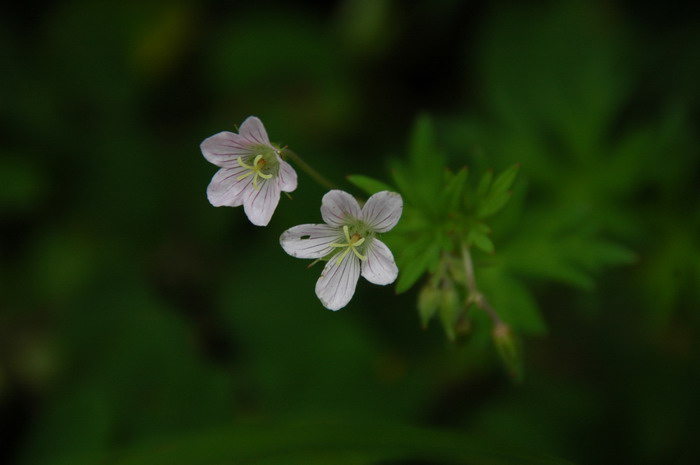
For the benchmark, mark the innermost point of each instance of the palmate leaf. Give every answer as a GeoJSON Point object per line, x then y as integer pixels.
{"type": "Point", "coordinates": [553, 247]}
{"type": "Point", "coordinates": [415, 259]}
{"type": "Point", "coordinates": [360, 443]}
{"type": "Point", "coordinates": [492, 197]}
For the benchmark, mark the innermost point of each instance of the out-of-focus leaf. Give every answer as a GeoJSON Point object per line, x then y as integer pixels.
{"type": "Point", "coordinates": [511, 299]}
{"type": "Point", "coordinates": [454, 190]}
{"type": "Point", "coordinates": [323, 443]}
{"type": "Point", "coordinates": [368, 185]}
{"type": "Point", "coordinates": [481, 240]}
{"type": "Point", "coordinates": [416, 260]}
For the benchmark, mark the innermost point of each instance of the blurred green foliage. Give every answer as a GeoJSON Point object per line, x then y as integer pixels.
{"type": "Point", "coordinates": [138, 324]}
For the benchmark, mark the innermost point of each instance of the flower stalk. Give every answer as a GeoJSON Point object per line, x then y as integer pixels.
{"type": "Point", "coordinates": [474, 295]}
{"type": "Point", "coordinates": [315, 175]}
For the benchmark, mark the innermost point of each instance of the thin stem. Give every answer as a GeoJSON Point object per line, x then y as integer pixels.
{"type": "Point", "coordinates": [474, 294]}
{"type": "Point", "coordinates": [309, 170]}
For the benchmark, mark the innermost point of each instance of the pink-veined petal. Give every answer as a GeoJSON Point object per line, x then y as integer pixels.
{"type": "Point", "coordinates": [383, 210]}
{"type": "Point", "coordinates": [224, 148]}
{"type": "Point", "coordinates": [260, 204]}
{"type": "Point", "coordinates": [286, 177]}
{"type": "Point", "coordinates": [338, 207]}
{"type": "Point", "coordinates": [253, 130]}
{"type": "Point", "coordinates": [336, 286]}
{"type": "Point", "coordinates": [380, 267]}
{"type": "Point", "coordinates": [310, 240]}
{"type": "Point", "coordinates": [226, 190]}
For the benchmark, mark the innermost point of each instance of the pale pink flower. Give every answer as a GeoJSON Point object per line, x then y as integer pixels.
{"type": "Point", "coordinates": [349, 243]}
{"type": "Point", "coordinates": [252, 172]}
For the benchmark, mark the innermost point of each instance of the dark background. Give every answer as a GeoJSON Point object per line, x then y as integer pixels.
{"type": "Point", "coordinates": [133, 313]}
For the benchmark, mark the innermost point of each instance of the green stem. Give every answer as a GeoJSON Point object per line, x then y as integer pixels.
{"type": "Point", "coordinates": [474, 294]}
{"type": "Point", "coordinates": [315, 175]}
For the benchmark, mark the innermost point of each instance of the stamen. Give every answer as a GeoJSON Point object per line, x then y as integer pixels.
{"type": "Point", "coordinates": [359, 255]}
{"type": "Point", "coordinates": [343, 255]}
{"type": "Point", "coordinates": [243, 164]}
{"type": "Point", "coordinates": [351, 244]}
{"type": "Point", "coordinates": [255, 170]}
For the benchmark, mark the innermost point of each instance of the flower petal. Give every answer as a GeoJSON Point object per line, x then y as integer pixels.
{"type": "Point", "coordinates": [379, 268]}
{"type": "Point", "coordinates": [224, 148]}
{"type": "Point", "coordinates": [337, 207]}
{"type": "Point", "coordinates": [253, 130]}
{"type": "Point", "coordinates": [226, 190]}
{"type": "Point", "coordinates": [383, 210]}
{"type": "Point", "coordinates": [336, 286]}
{"type": "Point", "coordinates": [287, 177]}
{"type": "Point", "coordinates": [310, 240]}
{"type": "Point", "coordinates": [260, 204]}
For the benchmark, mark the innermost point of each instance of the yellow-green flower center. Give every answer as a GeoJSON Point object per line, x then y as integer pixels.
{"type": "Point", "coordinates": [255, 170]}
{"type": "Point", "coordinates": [353, 242]}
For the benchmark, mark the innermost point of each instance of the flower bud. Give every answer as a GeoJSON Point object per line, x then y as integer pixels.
{"type": "Point", "coordinates": [507, 346]}
{"type": "Point", "coordinates": [428, 303]}
{"type": "Point", "coordinates": [449, 306]}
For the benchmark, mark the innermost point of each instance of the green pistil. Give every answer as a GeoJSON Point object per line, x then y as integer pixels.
{"type": "Point", "coordinates": [352, 243]}
{"type": "Point", "coordinates": [254, 170]}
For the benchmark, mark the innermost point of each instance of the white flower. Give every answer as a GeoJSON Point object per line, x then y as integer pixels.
{"type": "Point", "coordinates": [349, 242]}
{"type": "Point", "coordinates": [252, 172]}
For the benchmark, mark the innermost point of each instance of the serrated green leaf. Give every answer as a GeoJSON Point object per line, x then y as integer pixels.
{"type": "Point", "coordinates": [505, 180]}
{"type": "Point", "coordinates": [482, 241]}
{"type": "Point", "coordinates": [368, 185]}
{"type": "Point", "coordinates": [512, 300]}
{"type": "Point", "coordinates": [454, 190]}
{"type": "Point", "coordinates": [493, 204]}
{"type": "Point", "coordinates": [484, 184]}
{"type": "Point", "coordinates": [415, 261]}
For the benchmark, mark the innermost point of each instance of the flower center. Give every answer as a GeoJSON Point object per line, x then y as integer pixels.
{"type": "Point", "coordinates": [255, 170]}
{"type": "Point", "coordinates": [353, 242]}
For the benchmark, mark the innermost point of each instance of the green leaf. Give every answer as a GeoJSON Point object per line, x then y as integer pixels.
{"type": "Point", "coordinates": [368, 185]}
{"type": "Point", "coordinates": [511, 299]}
{"type": "Point", "coordinates": [454, 190]}
{"type": "Point", "coordinates": [481, 240]}
{"type": "Point", "coordinates": [484, 184]}
{"type": "Point", "coordinates": [494, 198]}
{"type": "Point", "coordinates": [505, 180]}
{"type": "Point", "coordinates": [493, 204]}
{"type": "Point", "coordinates": [416, 260]}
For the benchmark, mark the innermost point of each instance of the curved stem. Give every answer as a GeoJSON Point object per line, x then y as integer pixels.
{"type": "Point", "coordinates": [315, 175]}
{"type": "Point", "coordinates": [474, 294]}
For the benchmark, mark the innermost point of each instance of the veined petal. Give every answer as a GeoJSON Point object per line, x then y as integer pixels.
{"type": "Point", "coordinates": [337, 207]}
{"type": "Point", "coordinates": [380, 267]}
{"type": "Point", "coordinates": [253, 130]}
{"type": "Point", "coordinates": [287, 177]}
{"type": "Point", "coordinates": [224, 148]}
{"type": "Point", "coordinates": [226, 189]}
{"type": "Point", "coordinates": [310, 240]}
{"type": "Point", "coordinates": [383, 210]}
{"type": "Point", "coordinates": [260, 204]}
{"type": "Point", "coordinates": [336, 286]}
